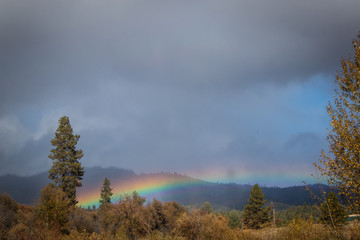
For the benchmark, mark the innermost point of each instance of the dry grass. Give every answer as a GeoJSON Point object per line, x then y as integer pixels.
{"type": "Point", "coordinates": [296, 230]}
{"type": "Point", "coordinates": [302, 230]}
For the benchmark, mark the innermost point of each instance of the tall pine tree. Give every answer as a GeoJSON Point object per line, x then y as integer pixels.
{"type": "Point", "coordinates": [66, 171]}
{"type": "Point", "coordinates": [106, 193]}
{"type": "Point", "coordinates": [254, 214]}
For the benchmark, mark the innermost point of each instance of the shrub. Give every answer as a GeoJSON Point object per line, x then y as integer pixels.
{"type": "Point", "coordinates": [234, 219]}
{"type": "Point", "coordinates": [128, 217]}
{"type": "Point", "coordinates": [8, 209]}
{"type": "Point", "coordinates": [300, 229]}
{"type": "Point", "coordinates": [200, 226]}
{"type": "Point", "coordinates": [80, 220]}
{"type": "Point", "coordinates": [172, 211]}
{"type": "Point", "coordinates": [54, 208]}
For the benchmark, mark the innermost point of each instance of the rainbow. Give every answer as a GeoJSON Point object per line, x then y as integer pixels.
{"type": "Point", "coordinates": [170, 186]}
{"type": "Point", "coordinates": [147, 185]}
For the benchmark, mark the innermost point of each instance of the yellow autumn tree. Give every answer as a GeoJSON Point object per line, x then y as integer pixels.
{"type": "Point", "coordinates": [341, 164]}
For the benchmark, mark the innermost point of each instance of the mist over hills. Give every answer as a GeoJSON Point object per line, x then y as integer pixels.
{"type": "Point", "coordinates": [26, 190]}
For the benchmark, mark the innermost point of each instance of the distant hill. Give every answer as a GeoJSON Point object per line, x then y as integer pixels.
{"type": "Point", "coordinates": [234, 196]}
{"type": "Point", "coordinates": [26, 190]}
{"type": "Point", "coordinates": [163, 186]}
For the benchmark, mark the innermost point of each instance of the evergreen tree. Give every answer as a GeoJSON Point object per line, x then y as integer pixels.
{"type": "Point", "coordinates": [106, 193]}
{"type": "Point", "coordinates": [66, 171]}
{"type": "Point", "coordinates": [254, 213]}
{"type": "Point", "coordinates": [332, 213]}
{"type": "Point", "coordinates": [341, 165]}
{"type": "Point", "coordinates": [234, 219]}
{"type": "Point", "coordinates": [206, 207]}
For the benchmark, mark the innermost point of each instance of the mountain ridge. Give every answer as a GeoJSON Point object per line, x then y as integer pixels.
{"type": "Point", "coordinates": [25, 190]}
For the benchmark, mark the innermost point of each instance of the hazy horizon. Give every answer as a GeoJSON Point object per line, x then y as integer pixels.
{"type": "Point", "coordinates": [243, 181]}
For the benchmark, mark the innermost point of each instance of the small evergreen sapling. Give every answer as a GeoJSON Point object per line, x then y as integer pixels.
{"type": "Point", "coordinates": [332, 213]}
{"type": "Point", "coordinates": [106, 193]}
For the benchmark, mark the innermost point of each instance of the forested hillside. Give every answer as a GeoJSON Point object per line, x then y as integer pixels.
{"type": "Point", "coordinates": [26, 190]}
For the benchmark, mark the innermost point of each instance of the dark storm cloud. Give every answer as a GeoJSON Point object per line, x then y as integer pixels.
{"type": "Point", "coordinates": [165, 85]}
{"type": "Point", "coordinates": [48, 44]}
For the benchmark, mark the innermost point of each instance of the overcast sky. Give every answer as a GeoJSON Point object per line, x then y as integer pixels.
{"type": "Point", "coordinates": [230, 90]}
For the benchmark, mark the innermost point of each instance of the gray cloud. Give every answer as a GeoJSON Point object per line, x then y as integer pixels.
{"type": "Point", "coordinates": [13, 135]}
{"type": "Point", "coordinates": [166, 85]}
{"type": "Point", "coordinates": [231, 43]}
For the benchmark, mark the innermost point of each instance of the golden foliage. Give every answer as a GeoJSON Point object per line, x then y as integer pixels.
{"type": "Point", "coordinates": [203, 226]}
{"type": "Point", "coordinates": [29, 227]}
{"type": "Point", "coordinates": [128, 213]}
{"type": "Point", "coordinates": [54, 208]}
{"type": "Point", "coordinates": [342, 165]}
{"type": "Point", "coordinates": [128, 217]}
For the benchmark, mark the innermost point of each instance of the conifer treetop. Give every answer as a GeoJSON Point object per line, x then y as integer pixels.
{"type": "Point", "coordinates": [66, 171]}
